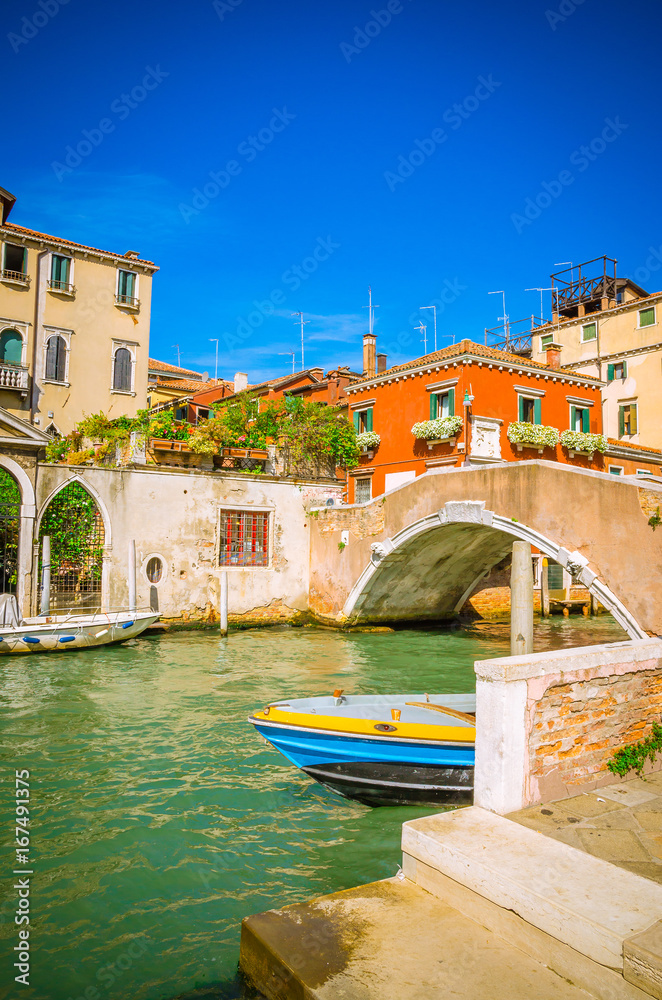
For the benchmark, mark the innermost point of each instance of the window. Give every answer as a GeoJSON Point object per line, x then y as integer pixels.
{"type": "Point", "coordinates": [363, 420]}
{"type": "Point", "coordinates": [126, 288]}
{"type": "Point", "coordinates": [442, 404]}
{"type": "Point", "coordinates": [589, 331]}
{"type": "Point", "coordinates": [202, 414]}
{"type": "Point", "coordinates": [627, 419]}
{"type": "Point", "coordinates": [122, 370]}
{"type": "Point", "coordinates": [244, 538]}
{"type": "Point", "coordinates": [618, 370]}
{"type": "Point", "coordinates": [554, 575]}
{"type": "Point", "coordinates": [60, 273]}
{"type": "Point", "coordinates": [362, 490]}
{"type": "Point", "coordinates": [647, 316]}
{"type": "Point", "coordinates": [14, 260]}
{"type": "Point", "coordinates": [616, 470]}
{"type": "Point", "coordinates": [580, 419]}
{"type": "Point", "coordinates": [546, 340]}
{"type": "Point", "coordinates": [645, 472]}
{"type": "Point", "coordinates": [154, 570]}
{"type": "Point", "coordinates": [11, 347]}
{"type": "Point", "coordinates": [529, 410]}
{"type": "Point", "coordinates": [181, 413]}
{"type": "Point", "coordinates": [56, 359]}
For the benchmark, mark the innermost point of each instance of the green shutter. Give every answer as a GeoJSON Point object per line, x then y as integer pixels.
{"type": "Point", "coordinates": [586, 420]}
{"type": "Point", "coordinates": [536, 411]}
{"type": "Point", "coordinates": [451, 402]}
{"type": "Point", "coordinates": [433, 406]}
{"type": "Point", "coordinates": [520, 408]}
{"type": "Point", "coordinates": [625, 369]}
{"type": "Point", "coordinates": [357, 425]}
{"type": "Point", "coordinates": [621, 421]}
{"type": "Point", "coordinates": [610, 373]}
{"type": "Point", "coordinates": [573, 418]}
{"type": "Point", "coordinates": [368, 419]}
{"type": "Point", "coordinates": [633, 419]}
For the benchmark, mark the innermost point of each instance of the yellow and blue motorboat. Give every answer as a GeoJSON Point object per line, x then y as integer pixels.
{"type": "Point", "coordinates": [414, 749]}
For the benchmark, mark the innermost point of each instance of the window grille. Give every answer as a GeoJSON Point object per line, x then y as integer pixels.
{"type": "Point", "coordinates": [362, 490]}
{"type": "Point", "coordinates": [56, 359]}
{"type": "Point", "coordinates": [74, 524]}
{"type": "Point", "coordinates": [244, 538]}
{"type": "Point", "coordinates": [154, 570]}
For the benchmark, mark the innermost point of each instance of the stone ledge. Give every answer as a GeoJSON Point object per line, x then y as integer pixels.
{"type": "Point", "coordinates": [629, 653]}
{"type": "Point", "coordinates": [642, 960]}
{"type": "Point", "coordinates": [577, 899]}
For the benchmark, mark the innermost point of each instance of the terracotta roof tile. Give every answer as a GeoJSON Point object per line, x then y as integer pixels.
{"type": "Point", "coordinates": [162, 366]}
{"type": "Point", "coordinates": [475, 350]}
{"type": "Point", "coordinates": [635, 447]}
{"type": "Point", "coordinates": [186, 385]}
{"type": "Point", "coordinates": [22, 231]}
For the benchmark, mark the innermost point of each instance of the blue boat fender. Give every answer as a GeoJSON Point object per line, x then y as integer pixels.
{"type": "Point", "coordinates": [128, 624]}
{"type": "Point", "coordinates": [31, 639]}
{"type": "Point", "coordinates": [66, 638]}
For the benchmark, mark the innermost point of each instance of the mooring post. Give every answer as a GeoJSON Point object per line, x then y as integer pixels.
{"type": "Point", "coordinates": [45, 575]}
{"type": "Point", "coordinates": [544, 588]}
{"type": "Point", "coordinates": [132, 575]}
{"type": "Point", "coordinates": [521, 600]}
{"type": "Point", "coordinates": [224, 602]}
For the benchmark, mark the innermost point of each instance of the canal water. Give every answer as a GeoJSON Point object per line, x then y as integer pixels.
{"type": "Point", "coordinates": [159, 817]}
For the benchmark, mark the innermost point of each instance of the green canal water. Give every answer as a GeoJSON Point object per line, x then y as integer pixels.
{"type": "Point", "coordinates": [159, 817]}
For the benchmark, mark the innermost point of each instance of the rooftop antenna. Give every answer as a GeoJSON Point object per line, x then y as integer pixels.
{"type": "Point", "coordinates": [371, 311]}
{"type": "Point", "coordinates": [292, 355]}
{"type": "Point", "coordinates": [303, 322]}
{"type": "Point", "coordinates": [541, 290]}
{"type": "Point", "coordinates": [179, 356]}
{"type": "Point", "coordinates": [435, 322]}
{"type": "Point", "coordinates": [214, 340]}
{"type": "Point", "coordinates": [424, 330]}
{"type": "Point", "coordinates": [505, 316]}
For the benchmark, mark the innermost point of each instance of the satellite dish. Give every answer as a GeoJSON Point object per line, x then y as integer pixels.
{"type": "Point", "coordinates": [205, 376]}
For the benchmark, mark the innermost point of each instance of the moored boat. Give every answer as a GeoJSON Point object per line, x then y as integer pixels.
{"type": "Point", "coordinates": [413, 749]}
{"type": "Point", "coordinates": [74, 630]}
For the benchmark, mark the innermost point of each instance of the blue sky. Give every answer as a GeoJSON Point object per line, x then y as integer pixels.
{"type": "Point", "coordinates": [281, 157]}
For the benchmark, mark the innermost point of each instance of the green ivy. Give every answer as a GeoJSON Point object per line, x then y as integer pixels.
{"type": "Point", "coordinates": [634, 756]}
{"type": "Point", "coordinates": [73, 522]}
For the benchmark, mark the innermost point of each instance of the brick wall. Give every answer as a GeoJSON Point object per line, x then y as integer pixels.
{"type": "Point", "coordinates": [361, 521]}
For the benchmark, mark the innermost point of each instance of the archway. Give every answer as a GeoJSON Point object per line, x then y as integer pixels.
{"type": "Point", "coordinates": [10, 524]}
{"type": "Point", "coordinates": [75, 525]}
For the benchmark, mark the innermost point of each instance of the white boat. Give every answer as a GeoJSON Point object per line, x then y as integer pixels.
{"type": "Point", "coordinates": [71, 630]}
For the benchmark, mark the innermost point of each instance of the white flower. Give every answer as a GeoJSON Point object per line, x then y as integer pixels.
{"type": "Point", "coordinates": [437, 430]}
{"type": "Point", "coordinates": [581, 441]}
{"type": "Point", "coordinates": [538, 435]}
{"type": "Point", "coordinates": [367, 439]}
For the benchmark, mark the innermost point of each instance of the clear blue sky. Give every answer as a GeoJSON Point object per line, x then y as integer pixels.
{"type": "Point", "coordinates": [352, 107]}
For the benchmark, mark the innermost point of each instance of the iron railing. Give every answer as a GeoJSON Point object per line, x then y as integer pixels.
{"type": "Point", "coordinates": [61, 286]}
{"type": "Point", "coordinates": [127, 300]}
{"type": "Point", "coordinates": [516, 337]}
{"type": "Point", "coordinates": [19, 276]}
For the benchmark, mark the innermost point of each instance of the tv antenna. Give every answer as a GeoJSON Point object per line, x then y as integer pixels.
{"type": "Point", "coordinates": [435, 322]}
{"type": "Point", "coordinates": [179, 356]}
{"type": "Point", "coordinates": [303, 323]}
{"type": "Point", "coordinates": [371, 311]}
{"type": "Point", "coordinates": [505, 316]}
{"type": "Point", "coordinates": [541, 290]}
{"type": "Point", "coordinates": [292, 354]}
{"type": "Point", "coordinates": [424, 330]}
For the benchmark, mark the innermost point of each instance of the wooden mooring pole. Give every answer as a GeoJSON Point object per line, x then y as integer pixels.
{"type": "Point", "coordinates": [544, 588]}
{"type": "Point", "coordinates": [521, 600]}
{"type": "Point", "coordinates": [224, 602]}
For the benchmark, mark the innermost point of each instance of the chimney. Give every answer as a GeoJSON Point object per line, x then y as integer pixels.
{"type": "Point", "coordinates": [317, 373]}
{"type": "Point", "coordinates": [554, 355]}
{"type": "Point", "coordinates": [381, 363]}
{"type": "Point", "coordinates": [240, 381]}
{"type": "Point", "coordinates": [369, 358]}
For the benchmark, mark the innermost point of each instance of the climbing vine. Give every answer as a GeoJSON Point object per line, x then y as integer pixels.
{"type": "Point", "coordinates": [634, 756]}
{"type": "Point", "coordinates": [73, 522]}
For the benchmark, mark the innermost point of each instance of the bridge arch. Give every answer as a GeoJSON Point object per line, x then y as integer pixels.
{"type": "Point", "coordinates": [462, 541]}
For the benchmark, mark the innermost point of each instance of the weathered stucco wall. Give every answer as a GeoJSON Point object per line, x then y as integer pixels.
{"type": "Point", "coordinates": [601, 517]}
{"type": "Point", "coordinates": [176, 515]}
{"type": "Point", "coordinates": [547, 723]}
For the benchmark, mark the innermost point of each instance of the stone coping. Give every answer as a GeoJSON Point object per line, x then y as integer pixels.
{"type": "Point", "coordinates": [630, 652]}
{"type": "Point", "coordinates": [580, 900]}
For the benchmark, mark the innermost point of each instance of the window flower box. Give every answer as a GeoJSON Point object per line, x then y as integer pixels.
{"type": "Point", "coordinates": [538, 436]}
{"type": "Point", "coordinates": [367, 442]}
{"type": "Point", "coordinates": [438, 431]}
{"type": "Point", "coordinates": [582, 443]}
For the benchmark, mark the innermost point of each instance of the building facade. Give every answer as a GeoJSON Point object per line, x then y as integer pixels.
{"type": "Point", "coordinates": [74, 328]}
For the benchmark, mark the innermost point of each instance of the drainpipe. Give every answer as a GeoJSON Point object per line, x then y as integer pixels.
{"type": "Point", "coordinates": [36, 334]}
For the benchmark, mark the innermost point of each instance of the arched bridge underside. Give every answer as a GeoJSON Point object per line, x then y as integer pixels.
{"type": "Point", "coordinates": [418, 552]}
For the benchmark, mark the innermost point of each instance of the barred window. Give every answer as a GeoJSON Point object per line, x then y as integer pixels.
{"type": "Point", "coordinates": [244, 538]}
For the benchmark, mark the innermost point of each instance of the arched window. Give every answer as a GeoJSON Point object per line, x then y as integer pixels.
{"type": "Point", "coordinates": [56, 359]}
{"type": "Point", "coordinates": [11, 347]}
{"type": "Point", "coordinates": [122, 370]}
{"type": "Point", "coordinates": [74, 525]}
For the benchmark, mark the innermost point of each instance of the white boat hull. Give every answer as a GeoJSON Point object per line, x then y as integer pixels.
{"type": "Point", "coordinates": [58, 633]}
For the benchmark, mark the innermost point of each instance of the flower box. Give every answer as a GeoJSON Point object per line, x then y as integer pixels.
{"type": "Point", "coordinates": [166, 444]}
{"type": "Point", "coordinates": [583, 443]}
{"type": "Point", "coordinates": [431, 442]}
{"type": "Point", "coordinates": [537, 436]}
{"type": "Point", "coordinates": [367, 441]}
{"type": "Point", "coordinates": [438, 431]}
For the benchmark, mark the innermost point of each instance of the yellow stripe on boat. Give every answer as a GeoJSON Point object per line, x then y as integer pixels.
{"type": "Point", "coordinates": [366, 727]}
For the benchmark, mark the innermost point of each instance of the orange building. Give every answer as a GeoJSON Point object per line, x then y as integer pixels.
{"type": "Point", "coordinates": [474, 405]}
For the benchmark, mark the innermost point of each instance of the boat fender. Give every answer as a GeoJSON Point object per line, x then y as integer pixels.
{"type": "Point", "coordinates": [66, 638]}
{"type": "Point", "coordinates": [128, 624]}
{"type": "Point", "coordinates": [104, 631]}
{"type": "Point", "coordinates": [30, 638]}
{"type": "Point", "coordinates": [384, 727]}
{"type": "Point", "coordinates": [395, 714]}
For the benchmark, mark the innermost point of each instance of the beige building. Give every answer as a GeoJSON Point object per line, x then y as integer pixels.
{"type": "Point", "coordinates": [611, 328]}
{"type": "Point", "coordinates": [74, 327]}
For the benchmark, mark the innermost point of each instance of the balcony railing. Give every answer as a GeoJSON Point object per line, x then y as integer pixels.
{"type": "Point", "coordinates": [129, 301]}
{"type": "Point", "coordinates": [65, 287]}
{"type": "Point", "coordinates": [18, 276]}
{"type": "Point", "coordinates": [13, 377]}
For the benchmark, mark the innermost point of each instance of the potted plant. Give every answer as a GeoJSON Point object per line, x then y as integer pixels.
{"type": "Point", "coordinates": [438, 431]}
{"type": "Point", "coordinates": [583, 443]}
{"type": "Point", "coordinates": [538, 436]}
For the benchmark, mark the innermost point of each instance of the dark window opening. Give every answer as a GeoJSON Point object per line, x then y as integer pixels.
{"type": "Point", "coordinates": [528, 411]}
{"type": "Point", "coordinates": [154, 570]}
{"type": "Point", "coordinates": [14, 258]}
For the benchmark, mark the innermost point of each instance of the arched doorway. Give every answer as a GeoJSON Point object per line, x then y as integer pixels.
{"type": "Point", "coordinates": [10, 522]}
{"type": "Point", "coordinates": [75, 526]}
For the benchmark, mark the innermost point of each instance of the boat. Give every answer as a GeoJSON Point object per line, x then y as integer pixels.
{"type": "Point", "coordinates": [69, 630]}
{"type": "Point", "coordinates": [414, 749]}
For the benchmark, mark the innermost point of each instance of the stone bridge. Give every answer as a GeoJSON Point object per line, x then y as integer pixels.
{"type": "Point", "coordinates": [420, 550]}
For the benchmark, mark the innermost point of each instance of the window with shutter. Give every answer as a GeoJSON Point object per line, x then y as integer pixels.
{"type": "Point", "coordinates": [537, 411]}
{"type": "Point", "coordinates": [647, 316]}
{"type": "Point", "coordinates": [589, 331]}
{"type": "Point", "coordinates": [610, 373]}
{"type": "Point", "coordinates": [60, 271]}
{"type": "Point", "coordinates": [368, 419]}
{"type": "Point", "coordinates": [434, 405]}
{"type": "Point", "coordinates": [11, 347]}
{"type": "Point", "coordinates": [586, 420]}
{"type": "Point", "coordinates": [56, 359]}
{"type": "Point", "coordinates": [122, 370]}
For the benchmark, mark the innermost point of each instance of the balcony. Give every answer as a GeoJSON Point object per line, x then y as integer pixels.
{"type": "Point", "coordinates": [127, 302]}
{"type": "Point", "coordinates": [15, 277]}
{"type": "Point", "coordinates": [14, 377]}
{"type": "Point", "coordinates": [62, 288]}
